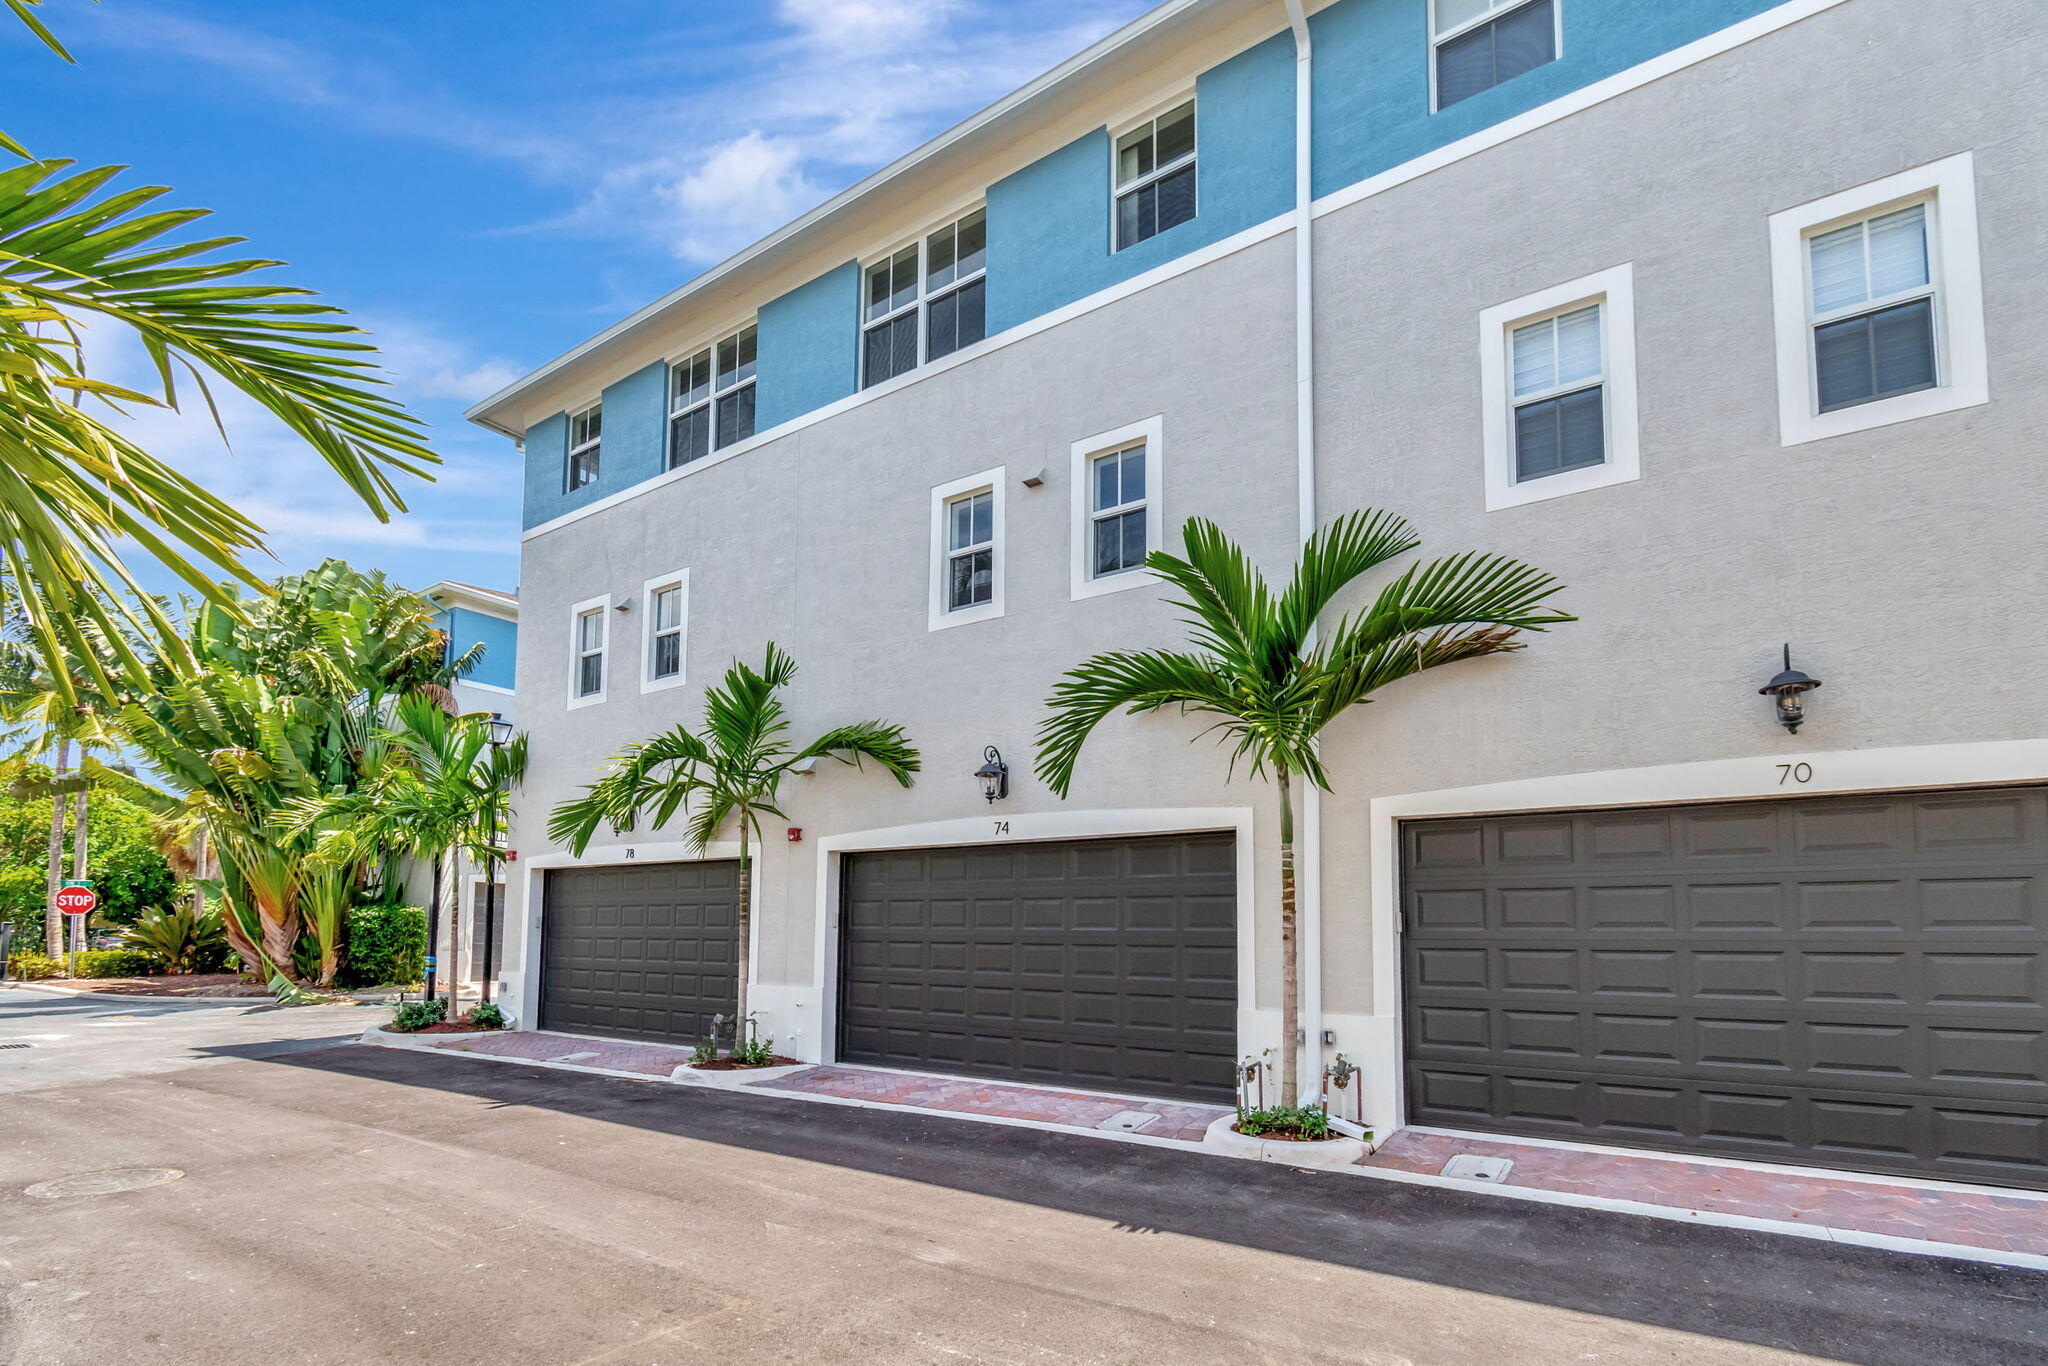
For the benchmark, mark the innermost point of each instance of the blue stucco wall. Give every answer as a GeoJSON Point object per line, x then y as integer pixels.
{"type": "Point", "coordinates": [809, 350]}
{"type": "Point", "coordinates": [1049, 224]}
{"type": "Point", "coordinates": [1372, 73]}
{"type": "Point", "coordinates": [500, 639]}
{"type": "Point", "coordinates": [633, 451]}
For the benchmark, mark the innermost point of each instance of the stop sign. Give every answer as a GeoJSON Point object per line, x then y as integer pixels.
{"type": "Point", "coordinates": [76, 900]}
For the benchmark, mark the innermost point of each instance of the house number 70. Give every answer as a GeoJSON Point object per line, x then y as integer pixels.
{"type": "Point", "coordinates": [1794, 773]}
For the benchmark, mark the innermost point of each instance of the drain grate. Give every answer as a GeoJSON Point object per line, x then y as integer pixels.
{"type": "Point", "coordinates": [17, 1045]}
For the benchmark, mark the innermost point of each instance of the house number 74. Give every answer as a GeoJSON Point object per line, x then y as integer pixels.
{"type": "Point", "coordinates": [1002, 827]}
{"type": "Point", "coordinates": [1794, 773]}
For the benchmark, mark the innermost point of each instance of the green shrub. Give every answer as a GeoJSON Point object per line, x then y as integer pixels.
{"type": "Point", "coordinates": [1296, 1121]}
{"type": "Point", "coordinates": [32, 967]}
{"type": "Point", "coordinates": [180, 939]}
{"type": "Point", "coordinates": [116, 963]}
{"type": "Point", "coordinates": [704, 1052]}
{"type": "Point", "coordinates": [414, 1015]}
{"type": "Point", "coordinates": [384, 943]}
{"type": "Point", "coordinates": [486, 1015]}
{"type": "Point", "coordinates": [756, 1052]}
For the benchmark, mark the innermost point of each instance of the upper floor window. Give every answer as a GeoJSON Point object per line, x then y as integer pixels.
{"type": "Point", "coordinates": [1879, 303]}
{"type": "Point", "coordinates": [927, 299]}
{"type": "Point", "coordinates": [586, 432]}
{"type": "Point", "coordinates": [1558, 371]}
{"type": "Point", "coordinates": [1477, 44]}
{"type": "Point", "coordinates": [589, 626]}
{"type": "Point", "coordinates": [967, 550]}
{"type": "Point", "coordinates": [667, 607]}
{"type": "Point", "coordinates": [711, 398]}
{"type": "Point", "coordinates": [1117, 521]}
{"type": "Point", "coordinates": [1155, 176]}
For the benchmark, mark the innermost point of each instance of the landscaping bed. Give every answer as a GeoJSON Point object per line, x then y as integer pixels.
{"type": "Point", "coordinates": [228, 984]}
{"type": "Point", "coordinates": [737, 1065]}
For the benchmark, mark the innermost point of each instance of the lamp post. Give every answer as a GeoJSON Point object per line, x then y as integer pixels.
{"type": "Point", "coordinates": [501, 735]}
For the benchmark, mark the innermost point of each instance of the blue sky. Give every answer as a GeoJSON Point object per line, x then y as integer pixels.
{"type": "Point", "coordinates": [484, 183]}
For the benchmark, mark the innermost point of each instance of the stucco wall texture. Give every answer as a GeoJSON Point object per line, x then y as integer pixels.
{"type": "Point", "coordinates": [1904, 564]}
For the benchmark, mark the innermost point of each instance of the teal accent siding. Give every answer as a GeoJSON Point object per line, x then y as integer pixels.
{"type": "Point", "coordinates": [1049, 240]}
{"type": "Point", "coordinates": [500, 639]}
{"type": "Point", "coordinates": [809, 348]}
{"type": "Point", "coordinates": [634, 449]}
{"type": "Point", "coordinates": [1372, 74]}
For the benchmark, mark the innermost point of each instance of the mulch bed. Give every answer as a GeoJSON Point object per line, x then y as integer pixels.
{"type": "Point", "coordinates": [733, 1065]}
{"type": "Point", "coordinates": [1290, 1135]}
{"type": "Point", "coordinates": [450, 1027]}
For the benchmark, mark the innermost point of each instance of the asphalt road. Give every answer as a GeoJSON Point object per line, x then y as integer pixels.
{"type": "Point", "coordinates": [365, 1205]}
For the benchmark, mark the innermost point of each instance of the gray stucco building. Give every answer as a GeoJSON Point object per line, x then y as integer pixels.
{"type": "Point", "coordinates": [1721, 310]}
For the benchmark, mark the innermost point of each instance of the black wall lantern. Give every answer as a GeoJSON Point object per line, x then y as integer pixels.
{"type": "Point", "coordinates": [1789, 690]}
{"type": "Point", "coordinates": [994, 774]}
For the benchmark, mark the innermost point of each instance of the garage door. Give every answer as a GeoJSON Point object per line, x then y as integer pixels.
{"type": "Point", "coordinates": [639, 951]}
{"type": "Point", "coordinates": [1106, 964]}
{"type": "Point", "coordinates": [1848, 982]}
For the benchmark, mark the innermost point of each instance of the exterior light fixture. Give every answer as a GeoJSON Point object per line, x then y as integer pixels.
{"type": "Point", "coordinates": [501, 731]}
{"type": "Point", "coordinates": [1789, 690]}
{"type": "Point", "coordinates": [994, 774]}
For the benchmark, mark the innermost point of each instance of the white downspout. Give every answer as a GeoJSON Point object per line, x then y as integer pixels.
{"type": "Point", "coordinates": [1310, 836]}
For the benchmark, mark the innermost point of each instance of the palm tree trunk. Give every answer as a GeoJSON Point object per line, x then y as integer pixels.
{"type": "Point", "coordinates": [1290, 948]}
{"type": "Point", "coordinates": [746, 918]}
{"type": "Point", "coordinates": [455, 900]}
{"type": "Point", "coordinates": [433, 931]}
{"type": "Point", "coordinates": [53, 919]}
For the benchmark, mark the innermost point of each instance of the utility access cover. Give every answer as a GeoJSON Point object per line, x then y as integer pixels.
{"type": "Point", "coordinates": [1472, 1167]}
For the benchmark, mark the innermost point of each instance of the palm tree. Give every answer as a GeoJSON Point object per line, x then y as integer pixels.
{"type": "Point", "coordinates": [729, 773]}
{"type": "Point", "coordinates": [1257, 667]}
{"type": "Point", "coordinates": [72, 487]}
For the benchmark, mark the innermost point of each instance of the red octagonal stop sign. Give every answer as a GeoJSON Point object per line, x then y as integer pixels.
{"type": "Point", "coordinates": [76, 900]}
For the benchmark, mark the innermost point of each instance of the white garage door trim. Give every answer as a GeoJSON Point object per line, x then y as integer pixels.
{"type": "Point", "coordinates": [1788, 774]}
{"type": "Point", "coordinates": [1032, 827]}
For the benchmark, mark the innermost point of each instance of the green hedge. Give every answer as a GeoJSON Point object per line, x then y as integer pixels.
{"type": "Point", "coordinates": [29, 967]}
{"type": "Point", "coordinates": [386, 944]}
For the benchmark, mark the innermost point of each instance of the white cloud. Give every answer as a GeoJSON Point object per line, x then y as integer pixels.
{"type": "Point", "coordinates": [425, 365]}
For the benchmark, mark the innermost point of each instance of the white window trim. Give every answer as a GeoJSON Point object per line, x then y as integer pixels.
{"type": "Point", "coordinates": [602, 606]}
{"type": "Point", "coordinates": [1081, 583]}
{"type": "Point", "coordinates": [1614, 290]}
{"type": "Point", "coordinates": [1437, 40]}
{"type": "Point", "coordinates": [569, 455]}
{"type": "Point", "coordinates": [680, 580]}
{"type": "Point", "coordinates": [710, 401]}
{"type": "Point", "coordinates": [989, 481]}
{"type": "Point", "coordinates": [1962, 367]}
{"type": "Point", "coordinates": [1118, 188]}
{"type": "Point", "coordinates": [926, 296]}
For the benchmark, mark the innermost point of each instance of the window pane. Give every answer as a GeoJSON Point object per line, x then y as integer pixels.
{"type": "Point", "coordinates": [1578, 346]}
{"type": "Point", "coordinates": [942, 326]}
{"type": "Point", "coordinates": [939, 258]}
{"type": "Point", "coordinates": [1134, 537]}
{"type": "Point", "coordinates": [1107, 490]}
{"type": "Point", "coordinates": [1133, 464]}
{"type": "Point", "coordinates": [589, 631]}
{"type": "Point", "coordinates": [736, 359]}
{"type": "Point", "coordinates": [1841, 363]}
{"type": "Point", "coordinates": [583, 468]}
{"type": "Point", "coordinates": [735, 416]}
{"type": "Point", "coordinates": [973, 250]}
{"type": "Point", "coordinates": [1134, 221]}
{"type": "Point", "coordinates": [1134, 155]}
{"type": "Point", "coordinates": [1176, 134]}
{"type": "Point", "coordinates": [1524, 40]}
{"type": "Point", "coordinates": [690, 380]}
{"type": "Point", "coordinates": [1451, 13]}
{"type": "Point", "coordinates": [1902, 343]}
{"type": "Point", "coordinates": [878, 290]}
{"type": "Point", "coordinates": [973, 312]}
{"type": "Point", "coordinates": [903, 272]}
{"type": "Point", "coordinates": [668, 609]}
{"type": "Point", "coordinates": [1176, 199]}
{"type": "Point", "coordinates": [984, 509]}
{"type": "Point", "coordinates": [972, 581]}
{"type": "Point", "coordinates": [1558, 434]}
{"type": "Point", "coordinates": [689, 437]}
{"type": "Point", "coordinates": [668, 655]}
{"type": "Point", "coordinates": [1898, 251]}
{"type": "Point", "coordinates": [891, 349]}
{"type": "Point", "coordinates": [960, 524]}
{"type": "Point", "coordinates": [1837, 266]}
{"type": "Point", "coordinates": [1464, 66]}
{"type": "Point", "coordinates": [874, 361]}
{"type": "Point", "coordinates": [589, 675]}
{"type": "Point", "coordinates": [1535, 349]}
{"type": "Point", "coordinates": [1119, 543]}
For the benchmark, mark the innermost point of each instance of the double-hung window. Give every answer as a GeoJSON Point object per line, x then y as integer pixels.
{"type": "Point", "coordinates": [1155, 176]}
{"type": "Point", "coordinates": [1558, 372]}
{"type": "Point", "coordinates": [667, 603]}
{"type": "Point", "coordinates": [967, 550]}
{"type": "Point", "coordinates": [1879, 303]}
{"type": "Point", "coordinates": [928, 299]}
{"type": "Point", "coordinates": [1477, 44]}
{"type": "Point", "coordinates": [588, 628]}
{"type": "Point", "coordinates": [711, 399]}
{"type": "Point", "coordinates": [1116, 508]}
{"type": "Point", "coordinates": [586, 436]}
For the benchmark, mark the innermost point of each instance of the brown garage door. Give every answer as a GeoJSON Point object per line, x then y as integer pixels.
{"type": "Point", "coordinates": [639, 950]}
{"type": "Point", "coordinates": [1107, 964]}
{"type": "Point", "coordinates": [1845, 981]}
